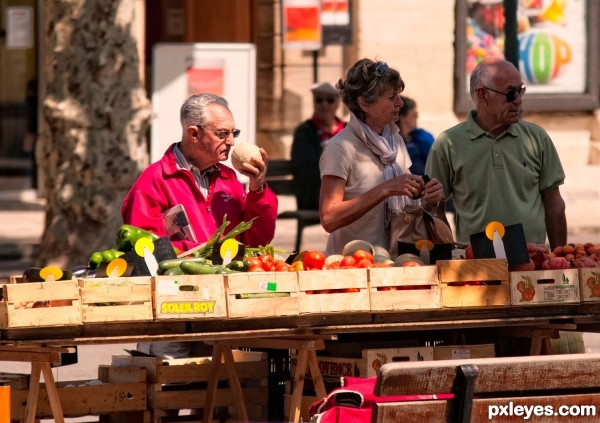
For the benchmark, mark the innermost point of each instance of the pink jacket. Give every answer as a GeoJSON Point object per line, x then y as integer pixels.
{"type": "Point", "coordinates": [162, 186]}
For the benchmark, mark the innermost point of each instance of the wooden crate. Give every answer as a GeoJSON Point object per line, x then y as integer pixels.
{"type": "Point", "coordinates": [545, 287]}
{"type": "Point", "coordinates": [116, 299]}
{"type": "Point", "coordinates": [244, 292]}
{"type": "Point", "coordinates": [89, 398]}
{"type": "Point", "coordinates": [190, 297]}
{"type": "Point", "coordinates": [181, 383]}
{"type": "Point", "coordinates": [474, 283]}
{"type": "Point", "coordinates": [589, 285]}
{"type": "Point", "coordinates": [404, 288]}
{"type": "Point", "coordinates": [16, 309]}
{"type": "Point", "coordinates": [332, 291]}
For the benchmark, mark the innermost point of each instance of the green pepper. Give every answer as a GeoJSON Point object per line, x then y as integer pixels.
{"type": "Point", "coordinates": [128, 235]}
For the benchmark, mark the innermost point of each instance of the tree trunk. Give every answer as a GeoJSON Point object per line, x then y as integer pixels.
{"type": "Point", "coordinates": [96, 116]}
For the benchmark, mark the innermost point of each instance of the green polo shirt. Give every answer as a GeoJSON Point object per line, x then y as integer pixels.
{"type": "Point", "coordinates": [499, 179]}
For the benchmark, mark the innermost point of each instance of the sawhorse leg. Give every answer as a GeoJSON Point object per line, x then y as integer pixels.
{"type": "Point", "coordinates": [40, 359]}
{"type": "Point", "coordinates": [37, 369]}
{"type": "Point", "coordinates": [305, 357]}
{"type": "Point", "coordinates": [222, 355]}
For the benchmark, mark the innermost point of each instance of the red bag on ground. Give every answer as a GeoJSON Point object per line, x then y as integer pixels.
{"type": "Point", "coordinates": [353, 402]}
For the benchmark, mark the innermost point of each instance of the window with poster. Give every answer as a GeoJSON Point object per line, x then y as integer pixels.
{"type": "Point", "coordinates": [557, 47]}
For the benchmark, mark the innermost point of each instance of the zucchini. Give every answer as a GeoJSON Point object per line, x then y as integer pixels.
{"type": "Point", "coordinates": [173, 271]}
{"type": "Point", "coordinates": [192, 268]}
{"type": "Point", "coordinates": [165, 265]}
{"type": "Point", "coordinates": [263, 295]}
{"type": "Point", "coordinates": [239, 265]}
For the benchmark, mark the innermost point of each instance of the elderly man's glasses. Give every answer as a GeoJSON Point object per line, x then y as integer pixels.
{"type": "Point", "coordinates": [330, 100]}
{"type": "Point", "coordinates": [381, 69]}
{"type": "Point", "coordinates": [511, 95]}
{"type": "Point", "coordinates": [224, 134]}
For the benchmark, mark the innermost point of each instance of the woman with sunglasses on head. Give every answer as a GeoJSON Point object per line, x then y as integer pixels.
{"type": "Point", "coordinates": [365, 175]}
{"type": "Point", "coordinates": [310, 137]}
{"type": "Point", "coordinates": [191, 174]}
{"type": "Point", "coordinates": [498, 167]}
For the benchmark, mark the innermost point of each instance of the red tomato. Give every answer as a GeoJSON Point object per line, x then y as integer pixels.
{"type": "Point", "coordinates": [348, 261]}
{"type": "Point", "coordinates": [257, 268]}
{"type": "Point", "coordinates": [314, 259]}
{"type": "Point", "coordinates": [362, 254]}
{"type": "Point", "coordinates": [253, 261]}
{"type": "Point", "coordinates": [267, 261]}
{"type": "Point", "coordinates": [364, 263]}
{"type": "Point", "coordinates": [281, 266]}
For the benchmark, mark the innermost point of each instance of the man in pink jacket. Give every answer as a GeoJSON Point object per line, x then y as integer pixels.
{"type": "Point", "coordinates": [191, 174]}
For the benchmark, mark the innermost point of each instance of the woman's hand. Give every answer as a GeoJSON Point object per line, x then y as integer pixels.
{"type": "Point", "coordinates": [433, 191]}
{"type": "Point", "coordinates": [407, 184]}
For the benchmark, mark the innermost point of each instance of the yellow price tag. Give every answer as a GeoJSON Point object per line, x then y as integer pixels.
{"type": "Point", "coordinates": [51, 273]}
{"type": "Point", "coordinates": [143, 243]}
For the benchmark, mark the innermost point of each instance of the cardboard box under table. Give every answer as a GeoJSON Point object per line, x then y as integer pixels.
{"type": "Point", "coordinates": [404, 288]}
{"type": "Point", "coordinates": [373, 359]}
{"type": "Point", "coordinates": [182, 383]}
{"type": "Point", "coordinates": [262, 294]}
{"type": "Point", "coordinates": [545, 287]}
{"type": "Point", "coordinates": [124, 299]}
{"type": "Point", "coordinates": [589, 285]}
{"type": "Point", "coordinates": [28, 304]}
{"type": "Point", "coordinates": [474, 283]}
{"type": "Point", "coordinates": [333, 291]}
{"type": "Point", "coordinates": [459, 352]}
{"type": "Point", "coordinates": [190, 297]}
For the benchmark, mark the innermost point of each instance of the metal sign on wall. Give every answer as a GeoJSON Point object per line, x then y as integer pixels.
{"type": "Point", "coordinates": [336, 21]}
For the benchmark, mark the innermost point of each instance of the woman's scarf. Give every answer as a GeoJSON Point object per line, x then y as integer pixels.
{"type": "Point", "coordinates": [385, 147]}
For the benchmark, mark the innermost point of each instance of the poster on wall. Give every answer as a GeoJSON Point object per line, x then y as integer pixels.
{"type": "Point", "coordinates": [301, 24]}
{"type": "Point", "coordinates": [19, 28]}
{"type": "Point", "coordinates": [552, 42]}
{"type": "Point", "coordinates": [184, 69]}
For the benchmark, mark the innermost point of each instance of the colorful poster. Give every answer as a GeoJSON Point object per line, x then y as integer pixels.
{"type": "Point", "coordinates": [302, 24]}
{"type": "Point", "coordinates": [552, 42]}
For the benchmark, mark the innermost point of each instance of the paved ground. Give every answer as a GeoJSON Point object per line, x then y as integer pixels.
{"type": "Point", "coordinates": [22, 222]}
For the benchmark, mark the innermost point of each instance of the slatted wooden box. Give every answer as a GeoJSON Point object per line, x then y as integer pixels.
{"type": "Point", "coordinates": [404, 288]}
{"type": "Point", "coordinates": [545, 287]}
{"type": "Point", "coordinates": [181, 383]}
{"type": "Point", "coordinates": [126, 299]}
{"type": "Point", "coordinates": [474, 283]}
{"type": "Point", "coordinates": [333, 291]}
{"type": "Point", "coordinates": [190, 297]}
{"type": "Point", "coordinates": [115, 392]}
{"type": "Point", "coordinates": [28, 304]}
{"type": "Point", "coordinates": [262, 294]}
{"type": "Point", "coordinates": [589, 285]}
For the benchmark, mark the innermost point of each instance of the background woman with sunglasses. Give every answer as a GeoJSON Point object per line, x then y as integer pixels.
{"type": "Point", "coordinates": [365, 175]}
{"type": "Point", "coordinates": [498, 167]}
{"type": "Point", "coordinates": [310, 137]}
{"type": "Point", "coordinates": [191, 174]}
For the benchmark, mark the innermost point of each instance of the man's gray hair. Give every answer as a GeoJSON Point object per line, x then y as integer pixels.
{"type": "Point", "coordinates": [194, 109]}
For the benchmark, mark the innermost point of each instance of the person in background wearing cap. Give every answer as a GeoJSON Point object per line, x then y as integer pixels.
{"type": "Point", "coordinates": [309, 139]}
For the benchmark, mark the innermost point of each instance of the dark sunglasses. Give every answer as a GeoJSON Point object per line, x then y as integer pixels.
{"type": "Point", "coordinates": [511, 95]}
{"type": "Point", "coordinates": [330, 100]}
{"type": "Point", "coordinates": [224, 134]}
{"type": "Point", "coordinates": [381, 69]}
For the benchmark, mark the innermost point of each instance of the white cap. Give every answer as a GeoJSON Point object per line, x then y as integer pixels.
{"type": "Point", "coordinates": [324, 88]}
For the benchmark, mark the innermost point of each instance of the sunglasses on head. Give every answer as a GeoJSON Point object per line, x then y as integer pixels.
{"type": "Point", "coordinates": [330, 100]}
{"type": "Point", "coordinates": [511, 95]}
{"type": "Point", "coordinates": [223, 134]}
{"type": "Point", "coordinates": [381, 69]}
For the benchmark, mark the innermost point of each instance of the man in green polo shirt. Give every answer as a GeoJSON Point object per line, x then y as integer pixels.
{"type": "Point", "coordinates": [498, 167]}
